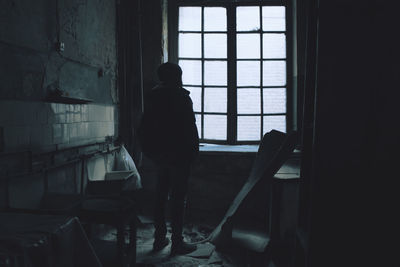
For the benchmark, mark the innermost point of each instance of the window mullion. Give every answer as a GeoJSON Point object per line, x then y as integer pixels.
{"type": "Point", "coordinates": [289, 68]}
{"type": "Point", "coordinates": [232, 95]}
{"type": "Point", "coordinates": [173, 21]}
{"type": "Point", "coordinates": [261, 76]}
{"type": "Point", "coordinates": [202, 73]}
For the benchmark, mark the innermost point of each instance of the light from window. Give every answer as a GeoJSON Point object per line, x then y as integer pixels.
{"type": "Point", "coordinates": [248, 18]}
{"type": "Point", "coordinates": [249, 128]}
{"type": "Point", "coordinates": [260, 69]}
{"type": "Point", "coordinates": [245, 96]}
{"type": "Point", "coordinates": [273, 18]}
{"type": "Point", "coordinates": [274, 73]}
{"type": "Point", "coordinates": [248, 46]}
{"type": "Point", "coordinates": [215, 19]}
{"type": "Point", "coordinates": [215, 45]}
{"type": "Point", "coordinates": [273, 44]}
{"type": "Point", "coordinates": [215, 100]}
{"type": "Point", "coordinates": [192, 72]}
{"type": "Point", "coordinates": [215, 127]}
{"type": "Point", "coordinates": [190, 45]}
{"type": "Point", "coordinates": [190, 19]}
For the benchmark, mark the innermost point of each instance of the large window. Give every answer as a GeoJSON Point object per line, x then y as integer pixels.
{"type": "Point", "coordinates": [234, 61]}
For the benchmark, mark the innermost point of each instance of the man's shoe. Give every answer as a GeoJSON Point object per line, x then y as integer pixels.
{"type": "Point", "coordinates": [181, 248]}
{"type": "Point", "coordinates": [160, 243]}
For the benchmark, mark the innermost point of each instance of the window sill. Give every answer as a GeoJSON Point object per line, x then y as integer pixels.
{"type": "Point", "coordinates": [213, 148]}
{"type": "Point", "coordinates": [225, 149]}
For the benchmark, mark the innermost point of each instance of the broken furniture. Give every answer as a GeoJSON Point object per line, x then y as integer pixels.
{"type": "Point", "coordinates": [91, 207]}
{"type": "Point", "coordinates": [234, 231]}
{"type": "Point", "coordinates": [44, 241]}
{"type": "Point", "coordinates": [119, 213]}
{"type": "Point", "coordinates": [106, 204]}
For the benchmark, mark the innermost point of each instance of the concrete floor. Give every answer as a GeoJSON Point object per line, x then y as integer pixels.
{"type": "Point", "coordinates": [205, 255]}
{"type": "Point", "coordinates": [201, 257]}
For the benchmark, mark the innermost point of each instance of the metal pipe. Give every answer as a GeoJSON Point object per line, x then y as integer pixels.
{"type": "Point", "coordinates": [86, 156]}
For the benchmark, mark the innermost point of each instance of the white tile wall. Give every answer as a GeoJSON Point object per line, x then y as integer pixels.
{"type": "Point", "coordinates": [36, 124]}
{"type": "Point", "coordinates": [57, 133]}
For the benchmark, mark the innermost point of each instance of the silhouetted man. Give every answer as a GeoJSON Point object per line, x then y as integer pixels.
{"type": "Point", "coordinates": [169, 137]}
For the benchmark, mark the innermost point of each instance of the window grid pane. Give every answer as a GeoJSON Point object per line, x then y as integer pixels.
{"type": "Point", "coordinates": [190, 45]}
{"type": "Point", "coordinates": [215, 127]}
{"type": "Point", "coordinates": [273, 18]}
{"type": "Point", "coordinates": [215, 73]}
{"type": "Point", "coordinates": [247, 18]}
{"type": "Point", "coordinates": [249, 128]}
{"type": "Point", "coordinates": [191, 71]}
{"type": "Point", "coordinates": [255, 69]}
{"type": "Point", "coordinates": [248, 73]}
{"type": "Point", "coordinates": [214, 19]}
{"type": "Point", "coordinates": [248, 101]}
{"type": "Point", "coordinates": [189, 19]}
{"type": "Point", "coordinates": [248, 46]}
{"type": "Point", "coordinates": [274, 123]}
{"type": "Point", "coordinates": [215, 45]}
{"type": "Point", "coordinates": [274, 73]}
{"type": "Point", "coordinates": [274, 100]}
{"type": "Point", "coordinates": [215, 100]}
{"type": "Point", "coordinates": [274, 45]}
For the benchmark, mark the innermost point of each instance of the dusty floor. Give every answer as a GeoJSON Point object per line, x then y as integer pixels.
{"type": "Point", "coordinates": [205, 255]}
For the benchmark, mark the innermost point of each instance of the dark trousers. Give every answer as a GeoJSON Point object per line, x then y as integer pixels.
{"type": "Point", "coordinates": [173, 181]}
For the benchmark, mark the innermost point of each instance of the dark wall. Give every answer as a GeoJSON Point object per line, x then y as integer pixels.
{"type": "Point", "coordinates": [30, 66]}
{"type": "Point", "coordinates": [151, 41]}
{"type": "Point", "coordinates": [355, 136]}
{"type": "Point", "coordinates": [30, 62]}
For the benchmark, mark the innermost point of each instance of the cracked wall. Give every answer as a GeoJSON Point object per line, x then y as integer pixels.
{"type": "Point", "coordinates": [31, 65]}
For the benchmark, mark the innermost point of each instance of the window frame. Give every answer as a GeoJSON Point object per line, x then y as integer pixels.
{"type": "Point", "coordinates": [232, 116]}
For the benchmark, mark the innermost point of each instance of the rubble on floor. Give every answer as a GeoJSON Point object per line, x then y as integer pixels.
{"type": "Point", "coordinates": [205, 255]}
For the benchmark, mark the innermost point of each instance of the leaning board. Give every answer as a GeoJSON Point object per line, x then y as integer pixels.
{"type": "Point", "coordinates": [274, 150]}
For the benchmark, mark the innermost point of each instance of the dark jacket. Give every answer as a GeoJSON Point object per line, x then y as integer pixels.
{"type": "Point", "coordinates": [168, 132]}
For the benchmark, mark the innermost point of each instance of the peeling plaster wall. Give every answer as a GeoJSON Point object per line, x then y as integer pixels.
{"type": "Point", "coordinates": [30, 65]}
{"type": "Point", "coordinates": [30, 62]}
